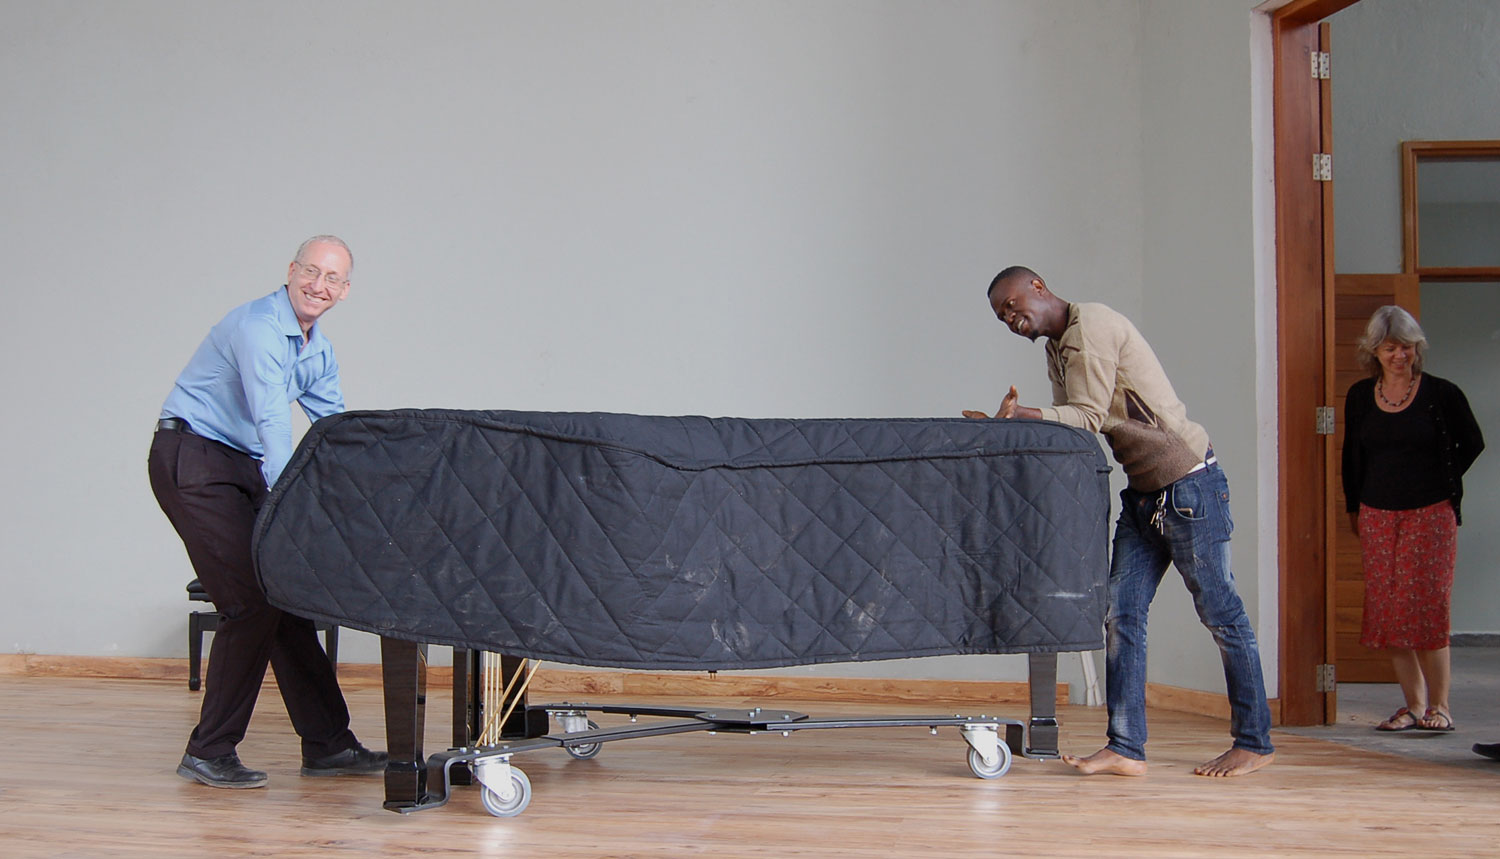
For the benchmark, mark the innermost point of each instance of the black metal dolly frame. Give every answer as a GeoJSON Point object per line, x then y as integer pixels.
{"type": "Point", "coordinates": [414, 783]}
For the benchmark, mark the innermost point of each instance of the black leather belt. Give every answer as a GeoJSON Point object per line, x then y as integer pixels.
{"type": "Point", "coordinates": [174, 424]}
{"type": "Point", "coordinates": [180, 425]}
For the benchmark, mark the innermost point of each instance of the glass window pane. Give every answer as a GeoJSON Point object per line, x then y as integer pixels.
{"type": "Point", "coordinates": [1458, 213]}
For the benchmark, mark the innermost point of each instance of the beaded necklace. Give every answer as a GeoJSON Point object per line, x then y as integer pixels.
{"type": "Point", "coordinates": [1380, 392]}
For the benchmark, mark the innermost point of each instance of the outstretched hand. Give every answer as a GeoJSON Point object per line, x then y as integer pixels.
{"type": "Point", "coordinates": [1008, 405]}
{"type": "Point", "coordinates": [1007, 408]}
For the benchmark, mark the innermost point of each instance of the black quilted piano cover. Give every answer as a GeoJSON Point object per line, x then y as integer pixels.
{"type": "Point", "coordinates": [690, 542]}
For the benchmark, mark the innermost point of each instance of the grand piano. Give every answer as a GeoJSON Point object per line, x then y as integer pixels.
{"type": "Point", "coordinates": [682, 544]}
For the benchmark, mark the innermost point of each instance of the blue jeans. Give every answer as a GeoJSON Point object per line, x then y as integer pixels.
{"type": "Point", "coordinates": [1186, 524]}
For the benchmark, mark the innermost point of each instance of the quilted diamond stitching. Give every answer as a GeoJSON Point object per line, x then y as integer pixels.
{"type": "Point", "coordinates": [860, 534]}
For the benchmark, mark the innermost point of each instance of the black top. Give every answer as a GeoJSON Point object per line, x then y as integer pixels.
{"type": "Point", "coordinates": [1411, 458]}
{"type": "Point", "coordinates": [1400, 449]}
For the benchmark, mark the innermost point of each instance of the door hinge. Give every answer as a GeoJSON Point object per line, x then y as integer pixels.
{"type": "Point", "coordinates": [1322, 167]}
{"type": "Point", "coordinates": [1319, 65]}
{"type": "Point", "coordinates": [1324, 420]}
{"type": "Point", "coordinates": [1325, 679]}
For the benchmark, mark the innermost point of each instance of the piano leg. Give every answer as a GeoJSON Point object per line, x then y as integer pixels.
{"type": "Point", "coordinates": [468, 698]}
{"type": "Point", "coordinates": [1042, 731]}
{"type": "Point", "coordinates": [404, 671]}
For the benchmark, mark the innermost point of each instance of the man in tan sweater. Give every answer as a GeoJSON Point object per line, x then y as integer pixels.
{"type": "Point", "coordinates": [1175, 510]}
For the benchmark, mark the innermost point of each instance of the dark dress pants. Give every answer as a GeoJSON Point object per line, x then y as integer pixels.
{"type": "Point", "coordinates": [211, 493]}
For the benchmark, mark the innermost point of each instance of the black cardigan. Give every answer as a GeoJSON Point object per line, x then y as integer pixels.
{"type": "Point", "coordinates": [1458, 434]}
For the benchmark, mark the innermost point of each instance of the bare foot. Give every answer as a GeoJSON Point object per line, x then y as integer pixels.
{"type": "Point", "coordinates": [1234, 762]}
{"type": "Point", "coordinates": [1105, 762]}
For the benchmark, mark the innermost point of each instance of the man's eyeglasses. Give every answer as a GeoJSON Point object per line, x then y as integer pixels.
{"type": "Point", "coordinates": [312, 273]}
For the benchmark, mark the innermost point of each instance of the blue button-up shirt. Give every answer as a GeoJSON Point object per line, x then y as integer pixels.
{"type": "Point", "coordinates": [239, 386]}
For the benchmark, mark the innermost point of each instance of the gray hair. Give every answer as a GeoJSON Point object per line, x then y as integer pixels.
{"type": "Point", "coordinates": [1390, 323]}
{"type": "Point", "coordinates": [326, 240]}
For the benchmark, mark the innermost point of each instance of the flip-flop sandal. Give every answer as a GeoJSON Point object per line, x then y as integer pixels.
{"type": "Point", "coordinates": [1443, 720]}
{"type": "Point", "coordinates": [1394, 723]}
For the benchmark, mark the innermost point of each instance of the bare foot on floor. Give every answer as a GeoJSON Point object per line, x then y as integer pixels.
{"type": "Point", "coordinates": [1105, 762]}
{"type": "Point", "coordinates": [1234, 762]}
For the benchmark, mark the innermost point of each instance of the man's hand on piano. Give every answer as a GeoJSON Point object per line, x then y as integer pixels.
{"type": "Point", "coordinates": [1007, 408]}
{"type": "Point", "coordinates": [1009, 404]}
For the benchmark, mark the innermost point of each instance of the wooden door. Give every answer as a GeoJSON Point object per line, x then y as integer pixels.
{"type": "Point", "coordinates": [1356, 297]}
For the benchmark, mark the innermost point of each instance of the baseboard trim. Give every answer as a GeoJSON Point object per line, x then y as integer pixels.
{"type": "Point", "coordinates": [1180, 700]}
{"type": "Point", "coordinates": [1474, 639]}
{"type": "Point", "coordinates": [560, 681]}
{"type": "Point", "coordinates": [1197, 702]}
{"type": "Point", "coordinates": [112, 667]}
{"type": "Point", "coordinates": [563, 681]}
{"type": "Point", "coordinates": [849, 689]}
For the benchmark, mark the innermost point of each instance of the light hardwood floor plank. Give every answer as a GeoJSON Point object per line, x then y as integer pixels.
{"type": "Point", "coordinates": [87, 769]}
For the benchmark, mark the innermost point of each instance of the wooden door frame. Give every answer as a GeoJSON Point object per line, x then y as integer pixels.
{"type": "Point", "coordinates": [1302, 271]}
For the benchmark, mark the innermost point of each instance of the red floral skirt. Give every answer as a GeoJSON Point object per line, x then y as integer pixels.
{"type": "Point", "coordinates": [1408, 559]}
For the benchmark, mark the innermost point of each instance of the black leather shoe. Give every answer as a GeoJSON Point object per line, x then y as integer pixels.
{"type": "Point", "coordinates": [1489, 750]}
{"type": "Point", "coordinates": [356, 761]}
{"type": "Point", "coordinates": [222, 771]}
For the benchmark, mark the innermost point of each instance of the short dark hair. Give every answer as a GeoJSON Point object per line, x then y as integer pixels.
{"type": "Point", "coordinates": [1007, 274]}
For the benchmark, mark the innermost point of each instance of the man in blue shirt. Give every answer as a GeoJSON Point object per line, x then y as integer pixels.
{"type": "Point", "coordinates": [224, 436]}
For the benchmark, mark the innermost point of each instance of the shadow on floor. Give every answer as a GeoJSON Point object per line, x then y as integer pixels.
{"type": "Point", "coordinates": [1475, 702]}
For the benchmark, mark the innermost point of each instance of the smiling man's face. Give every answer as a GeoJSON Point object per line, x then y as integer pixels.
{"type": "Point", "coordinates": [317, 281]}
{"type": "Point", "coordinates": [1017, 303]}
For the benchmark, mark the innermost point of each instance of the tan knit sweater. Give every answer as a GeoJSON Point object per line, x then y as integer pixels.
{"type": "Point", "coordinates": [1106, 379]}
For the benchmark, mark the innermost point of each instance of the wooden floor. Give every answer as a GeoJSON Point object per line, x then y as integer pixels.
{"type": "Point", "coordinates": [87, 769]}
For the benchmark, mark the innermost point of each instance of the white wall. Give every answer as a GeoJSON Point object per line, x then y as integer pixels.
{"type": "Point", "coordinates": [1403, 70]}
{"type": "Point", "coordinates": [1200, 304]}
{"type": "Point", "coordinates": [1426, 70]}
{"type": "Point", "coordinates": [773, 208]}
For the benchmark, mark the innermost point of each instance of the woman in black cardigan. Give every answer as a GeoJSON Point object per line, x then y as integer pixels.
{"type": "Point", "coordinates": [1409, 437]}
